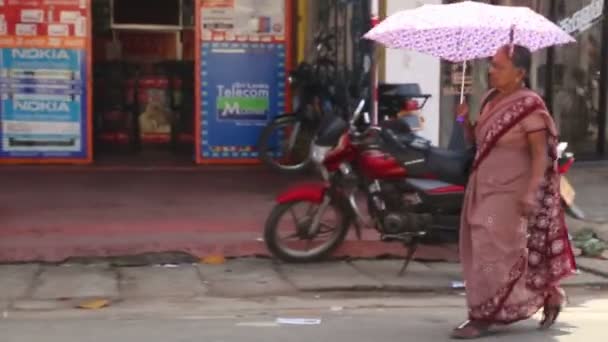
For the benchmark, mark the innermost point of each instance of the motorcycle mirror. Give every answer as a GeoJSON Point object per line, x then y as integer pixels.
{"type": "Point", "coordinates": [366, 118]}
{"type": "Point", "coordinates": [357, 112]}
{"type": "Point", "coordinates": [561, 148]}
{"type": "Point", "coordinates": [367, 64]}
{"type": "Point", "coordinates": [360, 107]}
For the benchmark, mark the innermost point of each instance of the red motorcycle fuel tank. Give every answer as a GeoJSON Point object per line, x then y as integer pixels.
{"type": "Point", "coordinates": [376, 164]}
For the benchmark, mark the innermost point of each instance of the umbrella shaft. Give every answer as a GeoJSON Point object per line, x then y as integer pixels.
{"type": "Point", "coordinates": [464, 72]}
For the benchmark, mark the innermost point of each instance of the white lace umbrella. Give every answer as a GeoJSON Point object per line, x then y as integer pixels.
{"type": "Point", "coordinates": [467, 30]}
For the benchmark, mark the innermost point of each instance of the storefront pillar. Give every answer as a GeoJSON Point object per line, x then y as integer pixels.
{"type": "Point", "coordinates": [603, 87]}
{"type": "Point", "coordinates": [403, 66]}
{"type": "Point", "coordinates": [549, 87]}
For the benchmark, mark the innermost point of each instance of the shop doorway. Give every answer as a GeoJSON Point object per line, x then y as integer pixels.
{"type": "Point", "coordinates": [143, 81]}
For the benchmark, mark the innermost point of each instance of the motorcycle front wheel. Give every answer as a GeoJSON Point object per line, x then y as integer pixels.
{"type": "Point", "coordinates": [285, 144]}
{"type": "Point", "coordinates": [297, 218]}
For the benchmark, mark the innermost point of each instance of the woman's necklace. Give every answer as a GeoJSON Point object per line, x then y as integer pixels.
{"type": "Point", "coordinates": [503, 95]}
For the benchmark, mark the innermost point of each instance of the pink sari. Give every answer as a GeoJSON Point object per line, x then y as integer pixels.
{"type": "Point", "coordinates": [512, 263]}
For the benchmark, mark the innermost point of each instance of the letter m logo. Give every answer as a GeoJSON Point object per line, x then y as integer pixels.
{"type": "Point", "coordinates": [229, 108]}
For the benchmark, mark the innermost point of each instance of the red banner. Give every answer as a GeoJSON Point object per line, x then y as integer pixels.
{"type": "Point", "coordinates": [44, 23]}
{"type": "Point", "coordinates": [246, 21]}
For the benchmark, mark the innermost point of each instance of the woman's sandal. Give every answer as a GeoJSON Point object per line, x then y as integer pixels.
{"type": "Point", "coordinates": [554, 305]}
{"type": "Point", "coordinates": [470, 330]}
{"type": "Point", "coordinates": [550, 315]}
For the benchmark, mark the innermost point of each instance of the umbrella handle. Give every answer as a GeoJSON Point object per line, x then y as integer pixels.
{"type": "Point", "coordinates": [464, 72]}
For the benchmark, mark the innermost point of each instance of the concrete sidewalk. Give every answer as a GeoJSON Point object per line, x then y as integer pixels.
{"type": "Point", "coordinates": [591, 184]}
{"type": "Point", "coordinates": [46, 287]}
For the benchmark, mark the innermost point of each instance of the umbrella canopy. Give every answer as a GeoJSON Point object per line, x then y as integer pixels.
{"type": "Point", "coordinates": [467, 30]}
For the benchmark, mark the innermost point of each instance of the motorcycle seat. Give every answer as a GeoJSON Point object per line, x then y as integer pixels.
{"type": "Point", "coordinates": [437, 153]}
{"type": "Point", "coordinates": [448, 165]}
{"type": "Point", "coordinates": [398, 126]}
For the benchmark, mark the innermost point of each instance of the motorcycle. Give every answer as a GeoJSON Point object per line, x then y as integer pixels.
{"type": "Point", "coordinates": [413, 191]}
{"type": "Point", "coordinates": [292, 133]}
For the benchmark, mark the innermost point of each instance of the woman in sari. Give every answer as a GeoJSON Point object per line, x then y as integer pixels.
{"type": "Point", "coordinates": [514, 244]}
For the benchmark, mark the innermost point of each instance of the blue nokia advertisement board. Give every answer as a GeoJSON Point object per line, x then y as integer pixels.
{"type": "Point", "coordinates": [43, 103]}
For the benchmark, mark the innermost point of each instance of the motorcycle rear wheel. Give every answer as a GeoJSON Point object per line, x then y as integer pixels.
{"type": "Point", "coordinates": [300, 151]}
{"type": "Point", "coordinates": [319, 253]}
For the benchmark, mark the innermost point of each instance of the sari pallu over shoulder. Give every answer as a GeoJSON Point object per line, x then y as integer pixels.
{"type": "Point", "coordinates": [517, 112]}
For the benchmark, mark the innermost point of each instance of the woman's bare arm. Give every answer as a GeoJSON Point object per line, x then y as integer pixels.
{"type": "Point", "coordinates": [537, 141]}
{"type": "Point", "coordinates": [469, 133]}
{"type": "Point", "coordinates": [540, 158]}
{"type": "Point", "coordinates": [462, 113]}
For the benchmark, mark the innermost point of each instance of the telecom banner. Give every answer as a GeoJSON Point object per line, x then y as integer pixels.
{"type": "Point", "coordinates": [242, 57]}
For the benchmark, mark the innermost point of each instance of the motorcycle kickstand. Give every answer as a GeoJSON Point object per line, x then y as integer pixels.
{"type": "Point", "coordinates": [411, 249]}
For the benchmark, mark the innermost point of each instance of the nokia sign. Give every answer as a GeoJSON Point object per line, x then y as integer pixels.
{"type": "Point", "coordinates": [42, 106]}
{"type": "Point", "coordinates": [56, 54]}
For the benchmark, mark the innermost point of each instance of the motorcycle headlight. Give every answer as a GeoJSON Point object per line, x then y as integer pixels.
{"type": "Point", "coordinates": [319, 153]}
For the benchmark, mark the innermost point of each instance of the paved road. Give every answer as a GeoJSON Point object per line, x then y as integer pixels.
{"type": "Point", "coordinates": [585, 320]}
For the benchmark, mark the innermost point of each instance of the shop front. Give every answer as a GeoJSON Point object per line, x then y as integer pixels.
{"type": "Point", "coordinates": [570, 77]}
{"type": "Point", "coordinates": [189, 80]}
{"type": "Point", "coordinates": [152, 82]}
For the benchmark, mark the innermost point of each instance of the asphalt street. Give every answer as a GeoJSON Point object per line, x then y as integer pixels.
{"type": "Point", "coordinates": [377, 320]}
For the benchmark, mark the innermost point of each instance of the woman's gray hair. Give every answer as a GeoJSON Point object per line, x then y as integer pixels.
{"type": "Point", "coordinates": [521, 57]}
